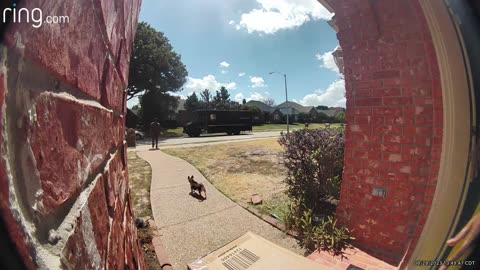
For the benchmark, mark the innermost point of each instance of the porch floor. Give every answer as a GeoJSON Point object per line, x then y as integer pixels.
{"type": "Point", "coordinates": [354, 256]}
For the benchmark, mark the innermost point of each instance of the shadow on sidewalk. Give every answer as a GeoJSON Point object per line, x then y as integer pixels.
{"type": "Point", "coordinates": [197, 196]}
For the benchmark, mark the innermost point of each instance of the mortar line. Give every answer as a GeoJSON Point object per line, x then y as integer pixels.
{"type": "Point", "coordinates": [206, 215]}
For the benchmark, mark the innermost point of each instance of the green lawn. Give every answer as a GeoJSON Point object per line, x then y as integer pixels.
{"type": "Point", "coordinates": [273, 127]}
{"type": "Point", "coordinates": [173, 132]}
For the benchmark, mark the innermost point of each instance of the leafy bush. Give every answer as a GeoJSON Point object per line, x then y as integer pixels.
{"type": "Point", "coordinates": [314, 159]}
{"type": "Point", "coordinates": [317, 232]}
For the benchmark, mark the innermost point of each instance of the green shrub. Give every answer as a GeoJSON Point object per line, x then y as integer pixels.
{"type": "Point", "coordinates": [314, 159]}
{"type": "Point", "coordinates": [324, 233]}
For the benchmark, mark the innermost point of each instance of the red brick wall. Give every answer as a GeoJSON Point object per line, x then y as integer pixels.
{"type": "Point", "coordinates": [64, 193]}
{"type": "Point", "coordinates": [394, 115]}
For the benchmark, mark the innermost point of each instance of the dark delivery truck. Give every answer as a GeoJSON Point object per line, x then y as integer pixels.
{"type": "Point", "coordinates": [212, 121]}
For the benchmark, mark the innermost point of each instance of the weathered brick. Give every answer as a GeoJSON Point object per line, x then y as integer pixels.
{"type": "Point", "coordinates": [86, 247]}
{"type": "Point", "coordinates": [15, 233]}
{"type": "Point", "coordinates": [399, 120]}
{"type": "Point", "coordinates": [387, 129]}
{"type": "Point", "coordinates": [73, 51]}
{"type": "Point", "coordinates": [116, 246]}
{"type": "Point", "coordinates": [399, 71]}
{"type": "Point", "coordinates": [387, 111]}
{"type": "Point", "coordinates": [112, 22]}
{"type": "Point", "coordinates": [387, 92]}
{"type": "Point", "coordinates": [367, 84]}
{"type": "Point", "coordinates": [386, 74]}
{"type": "Point", "coordinates": [112, 88]}
{"type": "Point", "coordinates": [69, 140]}
{"type": "Point", "coordinates": [370, 102]}
{"type": "Point", "coordinates": [116, 182]}
{"type": "Point", "coordinates": [389, 101]}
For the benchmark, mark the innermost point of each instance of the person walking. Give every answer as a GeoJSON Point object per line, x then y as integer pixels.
{"type": "Point", "coordinates": [155, 132]}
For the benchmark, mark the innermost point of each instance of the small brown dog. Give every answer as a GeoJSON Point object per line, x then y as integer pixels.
{"type": "Point", "coordinates": [197, 186]}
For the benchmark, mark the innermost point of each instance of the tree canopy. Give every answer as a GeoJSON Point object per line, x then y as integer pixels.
{"type": "Point", "coordinates": [192, 103]}
{"type": "Point", "coordinates": [340, 117]}
{"type": "Point", "coordinates": [155, 104]}
{"type": "Point", "coordinates": [154, 65]}
{"type": "Point", "coordinates": [322, 107]}
{"type": "Point", "coordinates": [221, 100]}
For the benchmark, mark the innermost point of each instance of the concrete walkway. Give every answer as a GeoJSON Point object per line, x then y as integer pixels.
{"type": "Point", "coordinates": [190, 228]}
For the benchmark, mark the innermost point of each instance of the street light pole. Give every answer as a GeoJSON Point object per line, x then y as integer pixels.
{"type": "Point", "coordinates": [286, 99]}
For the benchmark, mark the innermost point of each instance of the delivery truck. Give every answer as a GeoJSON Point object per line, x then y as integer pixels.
{"type": "Point", "coordinates": [213, 121]}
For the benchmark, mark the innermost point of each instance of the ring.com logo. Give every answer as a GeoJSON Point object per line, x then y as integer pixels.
{"type": "Point", "coordinates": [34, 16]}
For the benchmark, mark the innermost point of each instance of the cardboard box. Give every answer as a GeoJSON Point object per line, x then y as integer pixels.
{"type": "Point", "coordinates": [252, 252]}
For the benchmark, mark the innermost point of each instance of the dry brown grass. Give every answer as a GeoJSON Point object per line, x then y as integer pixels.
{"type": "Point", "coordinates": [239, 169]}
{"type": "Point", "coordinates": [140, 177]}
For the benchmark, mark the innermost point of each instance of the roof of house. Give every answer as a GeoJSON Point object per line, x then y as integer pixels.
{"type": "Point", "coordinates": [295, 106]}
{"type": "Point", "coordinates": [298, 107]}
{"type": "Point", "coordinates": [262, 106]}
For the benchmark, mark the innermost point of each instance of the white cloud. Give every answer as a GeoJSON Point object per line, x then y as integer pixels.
{"type": "Point", "coordinates": [327, 60]}
{"type": "Point", "coordinates": [257, 82]}
{"type": "Point", "coordinates": [239, 97]}
{"type": "Point", "coordinates": [241, 74]}
{"type": "Point", "coordinates": [256, 96]}
{"type": "Point", "coordinates": [333, 96]}
{"type": "Point", "coordinates": [224, 64]}
{"type": "Point", "coordinates": [275, 15]}
{"type": "Point", "coordinates": [224, 71]}
{"type": "Point", "coordinates": [207, 82]}
{"type": "Point", "coordinates": [231, 86]}
{"type": "Point", "coordinates": [179, 95]}
{"type": "Point", "coordinates": [231, 22]}
{"type": "Point", "coordinates": [253, 96]}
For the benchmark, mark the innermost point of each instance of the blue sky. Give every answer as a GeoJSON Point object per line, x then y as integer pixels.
{"type": "Point", "coordinates": [236, 43]}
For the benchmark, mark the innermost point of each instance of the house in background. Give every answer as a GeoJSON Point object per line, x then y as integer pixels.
{"type": "Point", "coordinates": [262, 106]}
{"type": "Point", "coordinates": [266, 110]}
{"type": "Point", "coordinates": [296, 111]}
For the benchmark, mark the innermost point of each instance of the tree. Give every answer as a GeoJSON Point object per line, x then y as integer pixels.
{"type": "Point", "coordinates": [323, 118]}
{"type": "Point", "coordinates": [154, 65]}
{"type": "Point", "coordinates": [221, 100]}
{"type": "Point", "coordinates": [258, 116]}
{"type": "Point", "coordinates": [244, 101]}
{"type": "Point", "coordinates": [206, 98]}
{"type": "Point", "coordinates": [303, 117]}
{"type": "Point", "coordinates": [340, 117]}
{"type": "Point", "coordinates": [269, 101]}
{"type": "Point", "coordinates": [136, 109]}
{"type": "Point", "coordinates": [156, 104]}
{"type": "Point", "coordinates": [192, 103]}
{"type": "Point", "coordinates": [322, 107]}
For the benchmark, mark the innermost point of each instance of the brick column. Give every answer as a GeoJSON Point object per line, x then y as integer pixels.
{"type": "Point", "coordinates": [394, 115]}
{"type": "Point", "coordinates": [64, 193]}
